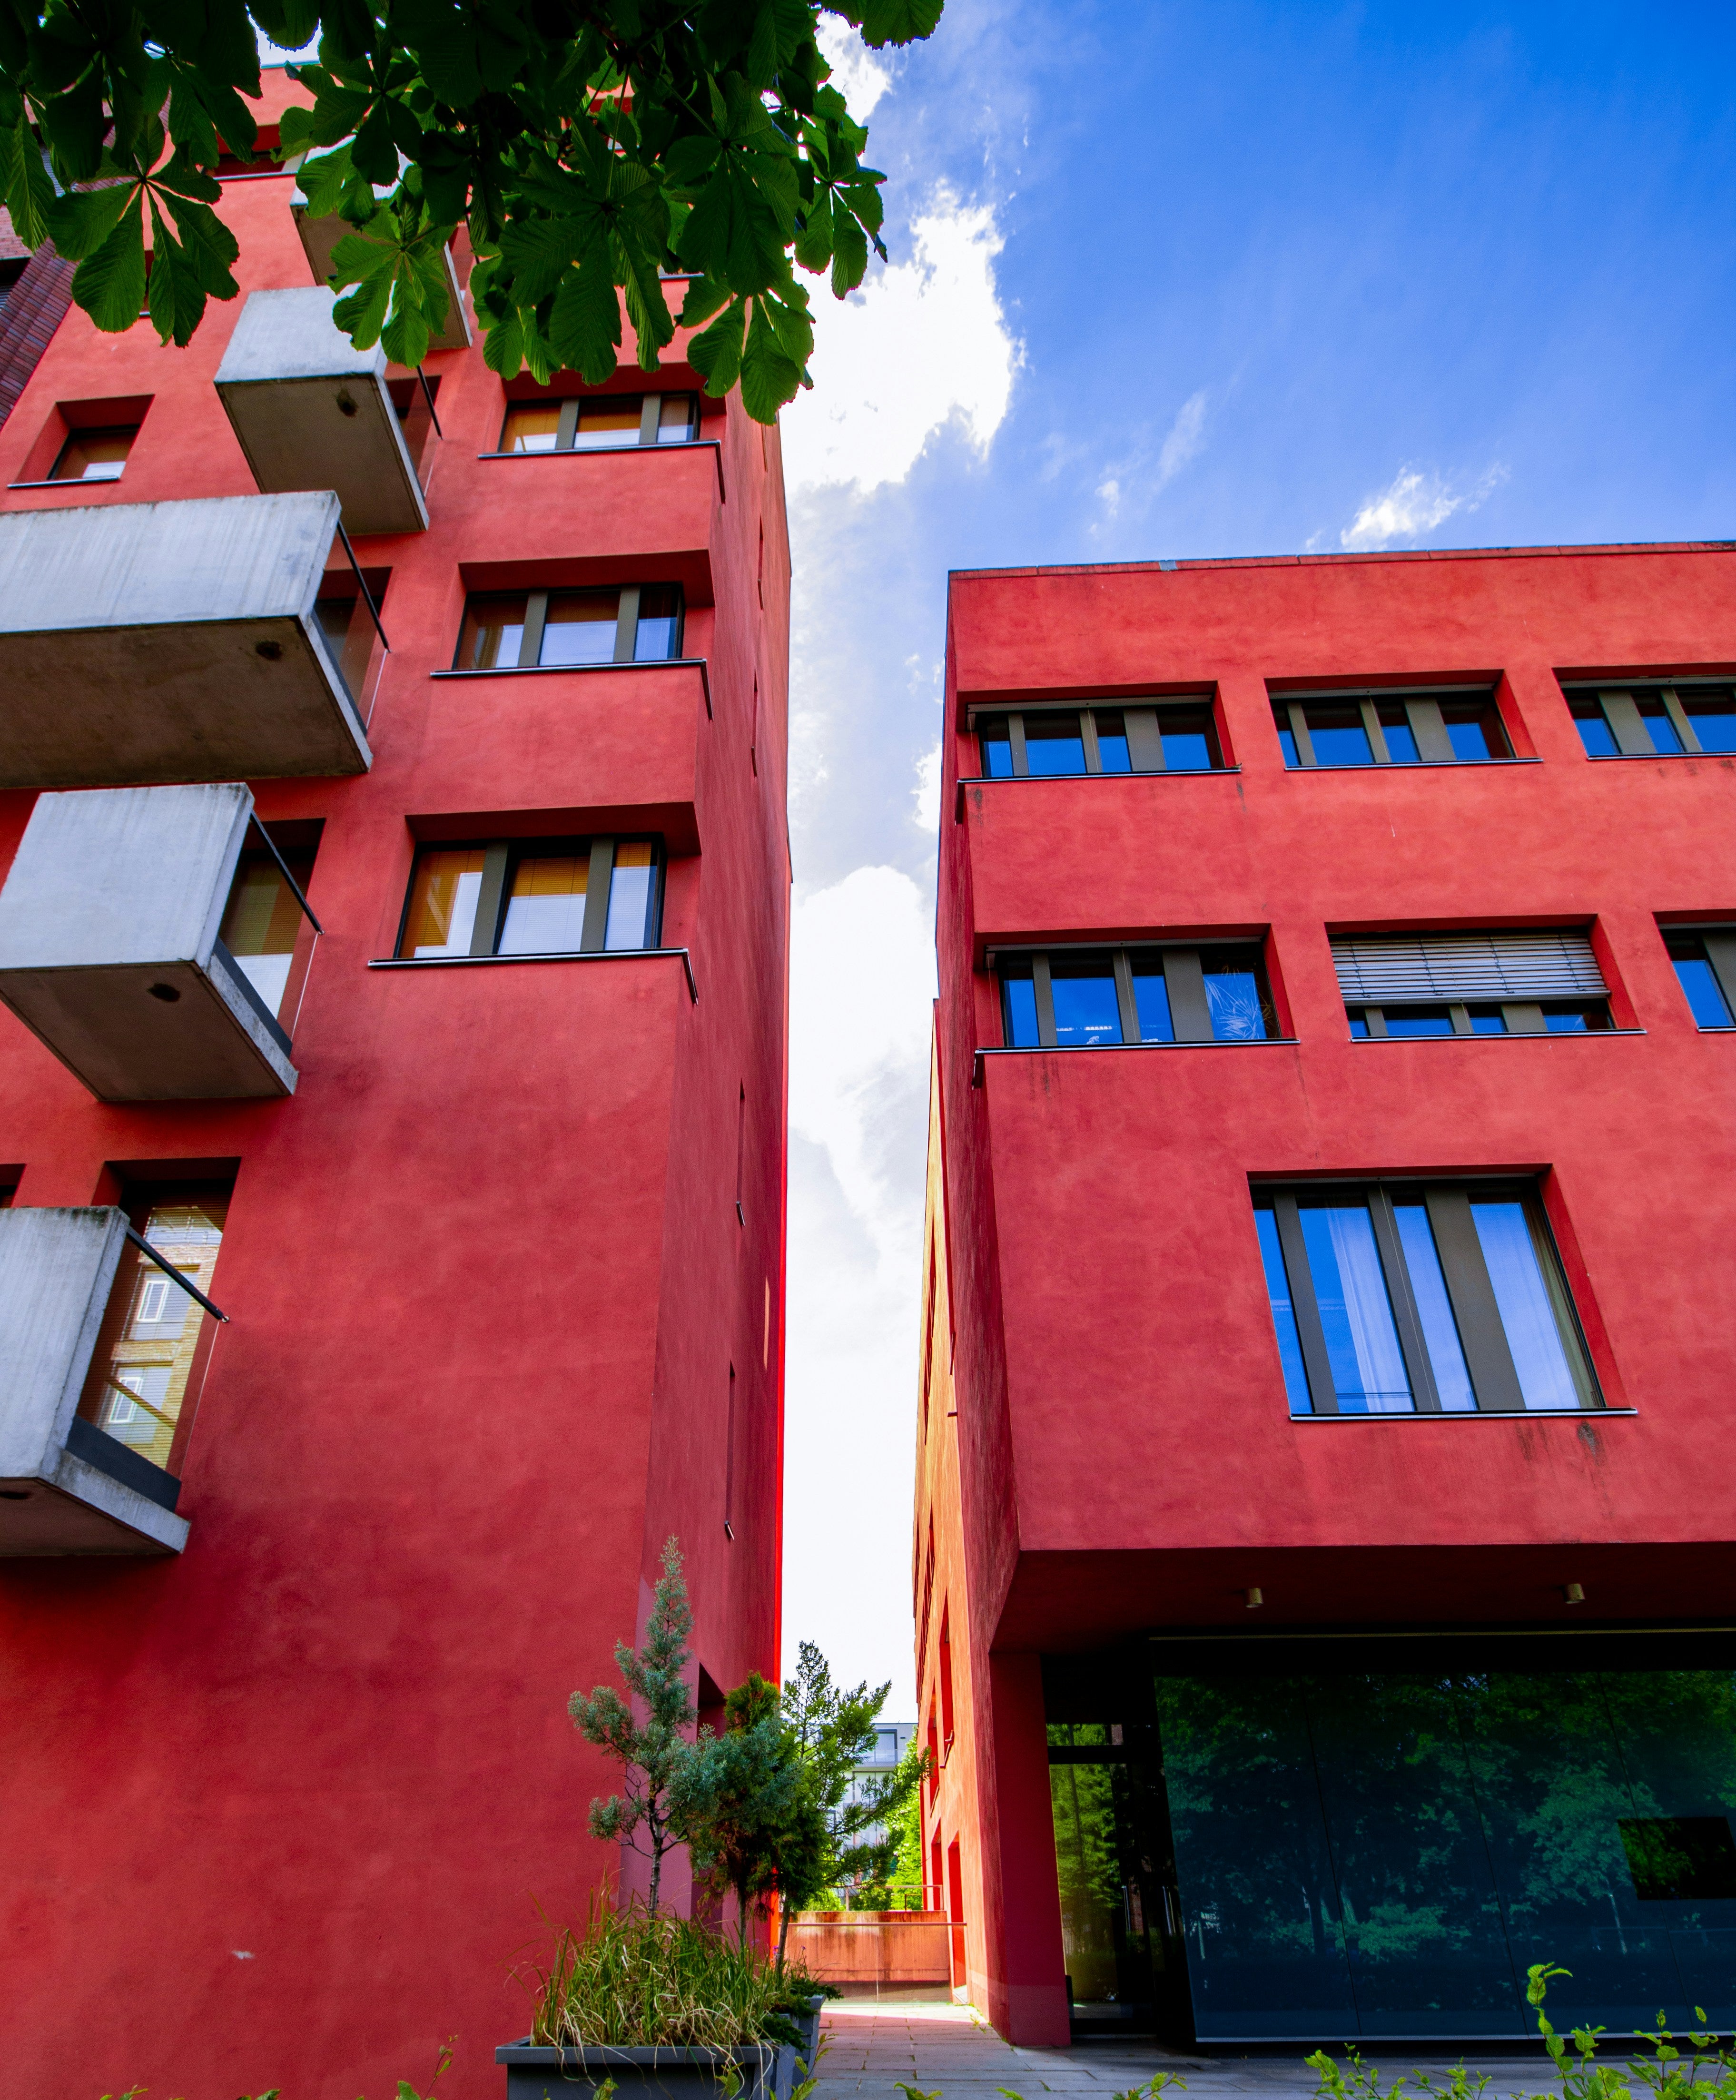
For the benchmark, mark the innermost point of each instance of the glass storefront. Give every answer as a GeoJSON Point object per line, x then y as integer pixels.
{"type": "Point", "coordinates": [1385, 1854]}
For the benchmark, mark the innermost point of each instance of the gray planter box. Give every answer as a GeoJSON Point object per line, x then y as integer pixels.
{"type": "Point", "coordinates": [809, 2024]}
{"type": "Point", "coordinates": [644, 2074]}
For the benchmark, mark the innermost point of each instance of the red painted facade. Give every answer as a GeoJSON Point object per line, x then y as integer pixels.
{"type": "Point", "coordinates": [506, 1282]}
{"type": "Point", "coordinates": [1125, 1459]}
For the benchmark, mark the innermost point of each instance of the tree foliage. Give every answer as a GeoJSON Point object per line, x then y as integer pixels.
{"type": "Point", "coordinates": [588, 145]}
{"type": "Point", "coordinates": [656, 1755]}
{"type": "Point", "coordinates": [743, 1798]}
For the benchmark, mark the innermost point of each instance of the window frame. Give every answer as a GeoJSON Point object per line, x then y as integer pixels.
{"type": "Point", "coordinates": [1142, 715]}
{"type": "Point", "coordinates": [82, 434]}
{"type": "Point", "coordinates": [536, 599]}
{"type": "Point", "coordinates": [1627, 725]}
{"type": "Point", "coordinates": [1482, 1336]}
{"type": "Point", "coordinates": [1422, 706]}
{"type": "Point", "coordinates": [1189, 1010]}
{"type": "Point", "coordinates": [1718, 939]}
{"type": "Point", "coordinates": [501, 857]}
{"type": "Point", "coordinates": [1520, 1017]}
{"type": "Point", "coordinates": [568, 406]}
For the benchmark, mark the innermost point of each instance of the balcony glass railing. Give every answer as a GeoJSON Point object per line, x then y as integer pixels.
{"type": "Point", "coordinates": [154, 1342]}
{"type": "Point", "coordinates": [268, 932]}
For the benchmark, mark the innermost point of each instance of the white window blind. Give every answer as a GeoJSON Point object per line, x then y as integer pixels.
{"type": "Point", "coordinates": [1380, 969]}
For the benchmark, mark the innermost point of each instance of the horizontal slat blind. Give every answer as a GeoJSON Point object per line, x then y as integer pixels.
{"type": "Point", "coordinates": [1379, 968]}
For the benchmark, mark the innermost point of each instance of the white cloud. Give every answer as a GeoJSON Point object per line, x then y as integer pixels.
{"type": "Point", "coordinates": [926, 792]}
{"type": "Point", "coordinates": [1415, 504]}
{"type": "Point", "coordinates": [856, 74]}
{"type": "Point", "coordinates": [1135, 478]}
{"type": "Point", "coordinates": [1186, 439]}
{"type": "Point", "coordinates": [924, 344]}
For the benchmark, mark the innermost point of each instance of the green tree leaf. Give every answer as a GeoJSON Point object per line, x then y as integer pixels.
{"type": "Point", "coordinates": [176, 299]}
{"type": "Point", "coordinates": [585, 325]}
{"type": "Point", "coordinates": [110, 283]}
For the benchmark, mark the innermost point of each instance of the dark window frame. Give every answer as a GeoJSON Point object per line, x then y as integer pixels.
{"type": "Point", "coordinates": [1422, 706]}
{"type": "Point", "coordinates": [1142, 717]}
{"type": "Point", "coordinates": [1519, 1017]}
{"type": "Point", "coordinates": [1184, 980]}
{"type": "Point", "coordinates": [1615, 703]}
{"type": "Point", "coordinates": [651, 412]}
{"type": "Point", "coordinates": [82, 436]}
{"type": "Point", "coordinates": [1717, 940]}
{"type": "Point", "coordinates": [536, 616]}
{"type": "Point", "coordinates": [499, 858]}
{"type": "Point", "coordinates": [1483, 1338]}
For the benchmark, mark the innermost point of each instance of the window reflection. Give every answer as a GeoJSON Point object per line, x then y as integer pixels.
{"type": "Point", "coordinates": [444, 893]}
{"type": "Point", "coordinates": [1053, 744]}
{"type": "Point", "coordinates": [580, 627]}
{"type": "Point", "coordinates": [1528, 1314]}
{"type": "Point", "coordinates": [1087, 1010]}
{"type": "Point", "coordinates": [630, 896]}
{"type": "Point", "coordinates": [533, 428]}
{"type": "Point", "coordinates": [494, 633]}
{"type": "Point", "coordinates": [545, 908]}
{"type": "Point", "coordinates": [1362, 1342]}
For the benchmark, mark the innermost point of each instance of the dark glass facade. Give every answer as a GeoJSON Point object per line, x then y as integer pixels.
{"type": "Point", "coordinates": [1384, 1854]}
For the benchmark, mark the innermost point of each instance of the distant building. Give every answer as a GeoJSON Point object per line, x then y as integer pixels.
{"type": "Point", "coordinates": [892, 1740]}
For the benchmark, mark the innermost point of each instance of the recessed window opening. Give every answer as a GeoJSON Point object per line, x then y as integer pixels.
{"type": "Point", "coordinates": [1664, 721]}
{"type": "Point", "coordinates": [548, 629]}
{"type": "Point", "coordinates": [1068, 999]}
{"type": "Point", "coordinates": [533, 897]}
{"type": "Point", "coordinates": [155, 1341]}
{"type": "Point", "coordinates": [1521, 983]}
{"type": "Point", "coordinates": [94, 455]}
{"type": "Point", "coordinates": [1038, 743]}
{"type": "Point", "coordinates": [1705, 960]}
{"type": "Point", "coordinates": [600, 423]}
{"type": "Point", "coordinates": [1452, 727]}
{"type": "Point", "coordinates": [1400, 1299]}
{"type": "Point", "coordinates": [267, 932]}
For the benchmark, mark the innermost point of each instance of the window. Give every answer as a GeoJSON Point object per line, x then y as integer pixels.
{"type": "Point", "coordinates": [1078, 998]}
{"type": "Point", "coordinates": [1034, 742]}
{"type": "Point", "coordinates": [1705, 960]}
{"type": "Point", "coordinates": [1386, 728]}
{"type": "Point", "coordinates": [1470, 984]}
{"type": "Point", "coordinates": [1399, 1299]}
{"type": "Point", "coordinates": [94, 455]}
{"type": "Point", "coordinates": [155, 1339]}
{"type": "Point", "coordinates": [265, 932]}
{"type": "Point", "coordinates": [601, 422]}
{"type": "Point", "coordinates": [348, 622]}
{"type": "Point", "coordinates": [1653, 722]}
{"type": "Point", "coordinates": [533, 896]}
{"type": "Point", "coordinates": [524, 630]}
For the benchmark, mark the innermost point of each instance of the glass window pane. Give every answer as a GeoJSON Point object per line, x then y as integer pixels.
{"type": "Point", "coordinates": [1235, 997]}
{"type": "Point", "coordinates": [1284, 1312]}
{"type": "Point", "coordinates": [1400, 738]}
{"type": "Point", "coordinates": [1286, 744]}
{"type": "Point", "coordinates": [1359, 1023]}
{"type": "Point", "coordinates": [1533, 1334]}
{"type": "Point", "coordinates": [658, 640]}
{"type": "Point", "coordinates": [493, 631]}
{"type": "Point", "coordinates": [1422, 1259]}
{"type": "Point", "coordinates": [629, 895]}
{"type": "Point", "coordinates": [677, 419]}
{"type": "Point", "coordinates": [1487, 1020]}
{"type": "Point", "coordinates": [1338, 737]}
{"type": "Point", "coordinates": [1699, 982]}
{"type": "Point", "coordinates": [546, 905]}
{"type": "Point", "coordinates": [1018, 1006]}
{"type": "Point", "coordinates": [1152, 998]}
{"type": "Point", "coordinates": [531, 429]}
{"type": "Point", "coordinates": [580, 627]}
{"type": "Point", "coordinates": [1185, 750]}
{"type": "Point", "coordinates": [260, 926]}
{"type": "Point", "coordinates": [1112, 741]}
{"type": "Point", "coordinates": [1656, 717]}
{"type": "Point", "coordinates": [1713, 716]}
{"type": "Point", "coordinates": [93, 456]}
{"type": "Point", "coordinates": [1473, 730]}
{"type": "Point", "coordinates": [443, 903]}
{"type": "Point", "coordinates": [997, 748]}
{"type": "Point", "coordinates": [612, 419]}
{"type": "Point", "coordinates": [1361, 1342]}
{"type": "Point", "coordinates": [1595, 732]}
{"type": "Point", "coordinates": [1053, 744]}
{"type": "Point", "coordinates": [1419, 1020]}
{"type": "Point", "coordinates": [148, 1359]}
{"type": "Point", "coordinates": [1086, 1008]}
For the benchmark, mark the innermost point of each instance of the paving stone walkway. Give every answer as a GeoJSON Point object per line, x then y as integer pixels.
{"type": "Point", "coordinates": [871, 2048]}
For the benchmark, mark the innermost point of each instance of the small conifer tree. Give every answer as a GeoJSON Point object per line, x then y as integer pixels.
{"type": "Point", "coordinates": [654, 1754]}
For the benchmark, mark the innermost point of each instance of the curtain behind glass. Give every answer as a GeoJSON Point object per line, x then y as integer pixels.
{"type": "Point", "coordinates": [1361, 1342]}
{"type": "Point", "coordinates": [1546, 1377]}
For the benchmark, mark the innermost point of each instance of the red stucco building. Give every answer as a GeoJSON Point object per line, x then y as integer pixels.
{"type": "Point", "coordinates": [487, 1173]}
{"type": "Point", "coordinates": [1324, 1570]}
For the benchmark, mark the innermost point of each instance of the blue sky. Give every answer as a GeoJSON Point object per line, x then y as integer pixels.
{"type": "Point", "coordinates": [1184, 279]}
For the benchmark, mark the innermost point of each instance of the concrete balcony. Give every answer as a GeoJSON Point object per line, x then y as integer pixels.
{"type": "Point", "coordinates": [112, 947]}
{"type": "Point", "coordinates": [171, 642]}
{"type": "Point", "coordinates": [66, 1485]}
{"type": "Point", "coordinates": [319, 236]}
{"type": "Point", "coordinates": [312, 413]}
